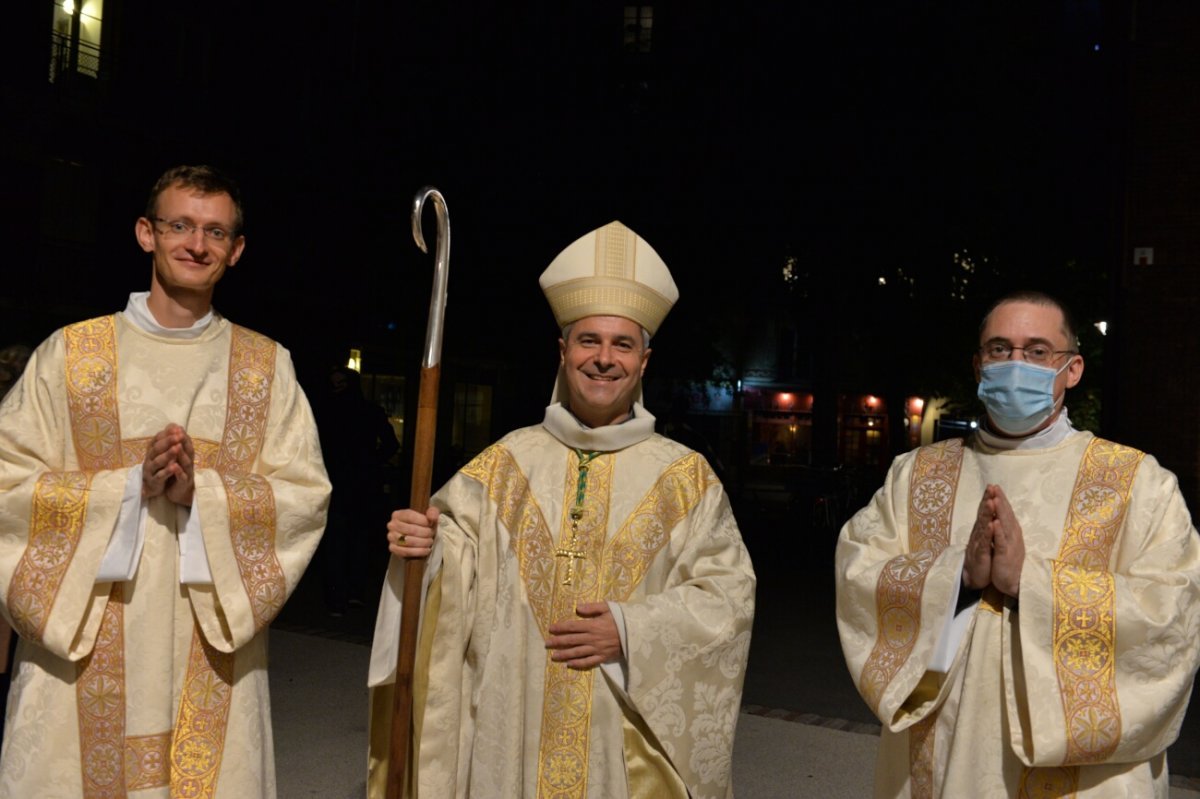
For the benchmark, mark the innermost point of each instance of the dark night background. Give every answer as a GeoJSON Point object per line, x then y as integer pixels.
{"type": "Point", "coordinates": [866, 144]}
{"type": "Point", "coordinates": [859, 138]}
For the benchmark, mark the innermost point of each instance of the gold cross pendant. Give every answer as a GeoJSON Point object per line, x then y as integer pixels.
{"type": "Point", "coordinates": [573, 555]}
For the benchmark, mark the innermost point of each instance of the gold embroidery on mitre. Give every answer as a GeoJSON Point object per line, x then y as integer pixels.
{"type": "Point", "coordinates": [199, 738]}
{"type": "Point", "coordinates": [146, 759]}
{"type": "Point", "coordinates": [901, 584]}
{"type": "Point", "coordinates": [616, 251]}
{"type": "Point", "coordinates": [612, 296]}
{"type": "Point", "coordinates": [100, 697]}
{"type": "Point", "coordinates": [1085, 624]}
{"type": "Point", "coordinates": [91, 381]}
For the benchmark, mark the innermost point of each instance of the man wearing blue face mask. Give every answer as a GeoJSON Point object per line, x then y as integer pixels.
{"type": "Point", "coordinates": [981, 592]}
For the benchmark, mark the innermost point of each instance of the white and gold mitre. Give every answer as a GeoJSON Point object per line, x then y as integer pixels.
{"type": "Point", "coordinates": [611, 271]}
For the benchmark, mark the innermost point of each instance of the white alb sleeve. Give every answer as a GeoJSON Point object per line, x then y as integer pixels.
{"type": "Point", "coordinates": [120, 560]}
{"type": "Point", "coordinates": [952, 631]}
{"type": "Point", "coordinates": [193, 557]}
{"type": "Point", "coordinates": [616, 670]}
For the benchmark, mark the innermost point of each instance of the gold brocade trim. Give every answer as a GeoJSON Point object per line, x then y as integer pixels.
{"type": "Point", "coordinates": [648, 528]}
{"type": "Point", "coordinates": [616, 252]}
{"type": "Point", "coordinates": [100, 696]}
{"type": "Point", "coordinates": [567, 693]}
{"type": "Point", "coordinates": [901, 583]}
{"type": "Point", "coordinates": [91, 380]}
{"type": "Point", "coordinates": [250, 498]}
{"type": "Point", "coordinates": [920, 756]}
{"type": "Point", "coordinates": [199, 738]}
{"type": "Point", "coordinates": [1049, 782]}
{"type": "Point", "coordinates": [206, 452]}
{"type": "Point", "coordinates": [146, 758]}
{"type": "Point", "coordinates": [609, 572]}
{"type": "Point", "coordinates": [528, 532]}
{"type": "Point", "coordinates": [599, 296]}
{"type": "Point", "coordinates": [251, 369]}
{"type": "Point", "coordinates": [1085, 625]}
{"type": "Point", "coordinates": [204, 705]}
{"type": "Point", "coordinates": [932, 488]}
{"type": "Point", "coordinates": [133, 451]}
{"type": "Point", "coordinates": [60, 502]}
{"type": "Point", "coordinates": [252, 531]}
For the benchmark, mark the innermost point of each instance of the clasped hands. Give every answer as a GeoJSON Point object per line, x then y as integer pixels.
{"type": "Point", "coordinates": [996, 548]}
{"type": "Point", "coordinates": [169, 468]}
{"type": "Point", "coordinates": [581, 642]}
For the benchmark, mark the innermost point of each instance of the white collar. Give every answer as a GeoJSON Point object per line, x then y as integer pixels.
{"type": "Point", "coordinates": [563, 425]}
{"type": "Point", "coordinates": [138, 312]}
{"type": "Point", "coordinates": [1055, 434]}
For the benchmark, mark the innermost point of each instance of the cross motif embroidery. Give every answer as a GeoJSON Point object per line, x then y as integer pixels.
{"type": "Point", "coordinates": [573, 552]}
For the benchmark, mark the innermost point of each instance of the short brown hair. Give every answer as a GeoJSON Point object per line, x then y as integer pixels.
{"type": "Point", "coordinates": [1035, 297]}
{"type": "Point", "coordinates": [203, 179]}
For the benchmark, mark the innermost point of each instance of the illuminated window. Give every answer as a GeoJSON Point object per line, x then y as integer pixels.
{"type": "Point", "coordinates": [639, 23]}
{"type": "Point", "coordinates": [75, 38]}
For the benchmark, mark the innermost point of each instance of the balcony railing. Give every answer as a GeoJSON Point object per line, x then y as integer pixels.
{"type": "Point", "coordinates": [69, 58]}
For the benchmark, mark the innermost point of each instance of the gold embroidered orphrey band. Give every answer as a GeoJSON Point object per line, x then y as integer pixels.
{"type": "Point", "coordinates": [611, 571]}
{"type": "Point", "coordinates": [930, 510]}
{"type": "Point", "coordinates": [902, 581]}
{"type": "Point", "coordinates": [1085, 622]}
{"type": "Point", "coordinates": [111, 763]}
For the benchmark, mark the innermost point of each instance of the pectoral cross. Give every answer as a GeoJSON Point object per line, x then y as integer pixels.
{"type": "Point", "coordinates": [573, 552]}
{"type": "Point", "coordinates": [573, 555]}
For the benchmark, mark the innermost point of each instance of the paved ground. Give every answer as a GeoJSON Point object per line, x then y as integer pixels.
{"type": "Point", "coordinates": [806, 732]}
{"type": "Point", "coordinates": [319, 704]}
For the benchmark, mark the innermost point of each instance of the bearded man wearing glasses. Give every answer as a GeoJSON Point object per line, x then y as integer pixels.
{"type": "Point", "coordinates": [1020, 609]}
{"type": "Point", "coordinates": [161, 492]}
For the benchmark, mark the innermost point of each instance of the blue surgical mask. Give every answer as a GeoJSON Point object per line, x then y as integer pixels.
{"type": "Point", "coordinates": [1018, 395]}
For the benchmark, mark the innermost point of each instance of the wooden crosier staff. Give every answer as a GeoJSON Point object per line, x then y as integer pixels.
{"type": "Point", "coordinates": [414, 568]}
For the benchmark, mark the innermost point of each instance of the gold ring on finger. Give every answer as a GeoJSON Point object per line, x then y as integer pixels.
{"type": "Point", "coordinates": [400, 538]}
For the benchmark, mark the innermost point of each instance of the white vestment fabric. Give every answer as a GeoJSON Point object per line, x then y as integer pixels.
{"type": "Point", "coordinates": [150, 687]}
{"type": "Point", "coordinates": [1077, 688]}
{"type": "Point", "coordinates": [495, 716]}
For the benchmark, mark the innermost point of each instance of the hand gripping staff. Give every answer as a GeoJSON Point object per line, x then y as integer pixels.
{"type": "Point", "coordinates": [422, 476]}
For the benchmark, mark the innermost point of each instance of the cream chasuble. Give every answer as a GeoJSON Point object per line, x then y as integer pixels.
{"type": "Point", "coordinates": [150, 688]}
{"type": "Point", "coordinates": [652, 532]}
{"type": "Point", "coordinates": [1075, 691]}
